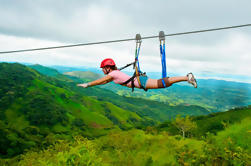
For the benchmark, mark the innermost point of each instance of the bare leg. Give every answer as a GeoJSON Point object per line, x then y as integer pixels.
{"type": "Point", "coordinates": [173, 80]}
{"type": "Point", "coordinates": [153, 83]}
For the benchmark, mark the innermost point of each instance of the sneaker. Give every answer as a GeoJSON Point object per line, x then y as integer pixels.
{"type": "Point", "coordinates": [192, 80]}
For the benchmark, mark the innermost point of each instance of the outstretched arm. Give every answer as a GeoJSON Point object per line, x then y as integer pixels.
{"type": "Point", "coordinates": [100, 81]}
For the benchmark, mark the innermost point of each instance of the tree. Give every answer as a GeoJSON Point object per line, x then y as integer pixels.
{"type": "Point", "coordinates": [184, 124]}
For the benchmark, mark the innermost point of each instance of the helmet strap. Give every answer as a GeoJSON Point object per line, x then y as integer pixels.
{"type": "Point", "coordinates": [107, 70]}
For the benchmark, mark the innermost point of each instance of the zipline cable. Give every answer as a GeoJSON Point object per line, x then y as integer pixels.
{"type": "Point", "coordinates": [122, 40]}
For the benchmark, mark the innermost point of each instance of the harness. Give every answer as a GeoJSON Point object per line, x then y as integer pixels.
{"type": "Point", "coordinates": [138, 72]}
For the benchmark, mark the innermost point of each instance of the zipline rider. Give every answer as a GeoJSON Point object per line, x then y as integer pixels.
{"type": "Point", "coordinates": [113, 74]}
{"type": "Point", "coordinates": [139, 79]}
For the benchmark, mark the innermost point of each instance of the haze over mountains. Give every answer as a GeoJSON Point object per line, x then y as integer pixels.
{"type": "Point", "coordinates": [215, 95]}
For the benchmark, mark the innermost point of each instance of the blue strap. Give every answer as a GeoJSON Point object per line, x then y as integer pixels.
{"type": "Point", "coordinates": [163, 62]}
{"type": "Point", "coordinates": [137, 58]}
{"type": "Point", "coordinates": [163, 82]}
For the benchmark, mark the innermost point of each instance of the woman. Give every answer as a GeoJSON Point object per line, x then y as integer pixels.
{"type": "Point", "coordinates": [113, 74]}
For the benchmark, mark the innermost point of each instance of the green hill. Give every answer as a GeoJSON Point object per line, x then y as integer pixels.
{"type": "Point", "coordinates": [37, 108]}
{"type": "Point", "coordinates": [145, 108]}
{"type": "Point", "coordinates": [51, 121]}
{"type": "Point", "coordinates": [34, 107]}
{"type": "Point", "coordinates": [87, 75]}
{"type": "Point", "coordinates": [49, 72]}
{"type": "Point", "coordinates": [212, 123]}
{"type": "Point", "coordinates": [44, 70]}
{"type": "Point", "coordinates": [230, 146]}
{"type": "Point", "coordinates": [216, 122]}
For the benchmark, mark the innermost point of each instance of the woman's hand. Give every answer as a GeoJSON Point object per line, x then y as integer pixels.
{"type": "Point", "coordinates": [84, 85]}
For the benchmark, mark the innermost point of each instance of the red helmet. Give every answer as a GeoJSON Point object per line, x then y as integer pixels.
{"type": "Point", "coordinates": [107, 62]}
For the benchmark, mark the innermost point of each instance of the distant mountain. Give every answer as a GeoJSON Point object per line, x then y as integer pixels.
{"type": "Point", "coordinates": [44, 70]}
{"type": "Point", "coordinates": [87, 75]}
{"type": "Point", "coordinates": [49, 72]}
{"type": "Point", "coordinates": [215, 95]}
{"type": "Point", "coordinates": [63, 69]}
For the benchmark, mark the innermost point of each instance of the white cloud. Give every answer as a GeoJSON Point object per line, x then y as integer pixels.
{"type": "Point", "coordinates": [230, 56]}
{"type": "Point", "coordinates": [30, 24]}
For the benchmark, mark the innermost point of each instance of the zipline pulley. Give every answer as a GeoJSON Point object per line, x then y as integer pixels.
{"type": "Point", "coordinates": [161, 36]}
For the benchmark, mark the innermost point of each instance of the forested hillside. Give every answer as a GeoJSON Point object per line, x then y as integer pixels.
{"type": "Point", "coordinates": [230, 145]}
{"type": "Point", "coordinates": [45, 119]}
{"type": "Point", "coordinates": [36, 109]}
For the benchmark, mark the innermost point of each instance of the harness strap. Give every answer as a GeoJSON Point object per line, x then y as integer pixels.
{"type": "Point", "coordinates": [163, 55]}
{"type": "Point", "coordinates": [130, 80]}
{"type": "Point", "coordinates": [137, 72]}
{"type": "Point", "coordinates": [127, 65]}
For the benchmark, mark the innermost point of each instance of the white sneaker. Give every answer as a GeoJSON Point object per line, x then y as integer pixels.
{"type": "Point", "coordinates": [192, 80]}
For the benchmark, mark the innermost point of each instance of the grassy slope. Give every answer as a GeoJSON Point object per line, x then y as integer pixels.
{"type": "Point", "coordinates": [218, 121]}
{"type": "Point", "coordinates": [34, 106]}
{"type": "Point", "coordinates": [231, 146]}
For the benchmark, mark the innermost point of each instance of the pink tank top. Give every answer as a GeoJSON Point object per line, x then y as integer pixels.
{"type": "Point", "coordinates": [120, 77]}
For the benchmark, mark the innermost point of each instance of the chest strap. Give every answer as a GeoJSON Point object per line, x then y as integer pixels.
{"type": "Point", "coordinates": [132, 81]}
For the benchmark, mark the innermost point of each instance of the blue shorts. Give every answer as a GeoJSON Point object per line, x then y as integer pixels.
{"type": "Point", "coordinates": [143, 81]}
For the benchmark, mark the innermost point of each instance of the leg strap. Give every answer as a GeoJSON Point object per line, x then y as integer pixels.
{"type": "Point", "coordinates": [163, 83]}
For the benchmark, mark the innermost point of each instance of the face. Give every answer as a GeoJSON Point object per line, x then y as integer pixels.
{"type": "Point", "coordinates": [106, 70]}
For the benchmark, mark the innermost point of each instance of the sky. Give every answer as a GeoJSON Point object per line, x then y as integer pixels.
{"type": "Point", "coordinates": [226, 54]}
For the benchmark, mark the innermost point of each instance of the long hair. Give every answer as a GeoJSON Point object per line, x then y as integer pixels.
{"type": "Point", "coordinates": [113, 67]}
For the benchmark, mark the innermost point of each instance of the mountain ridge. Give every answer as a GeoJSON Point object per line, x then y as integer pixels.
{"type": "Point", "coordinates": [236, 94]}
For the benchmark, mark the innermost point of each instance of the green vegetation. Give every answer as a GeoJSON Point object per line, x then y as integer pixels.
{"type": "Point", "coordinates": [48, 120]}
{"type": "Point", "coordinates": [184, 124]}
{"type": "Point", "coordinates": [136, 147]}
{"type": "Point", "coordinates": [212, 123]}
{"type": "Point", "coordinates": [36, 108]}
{"type": "Point", "coordinates": [219, 121]}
